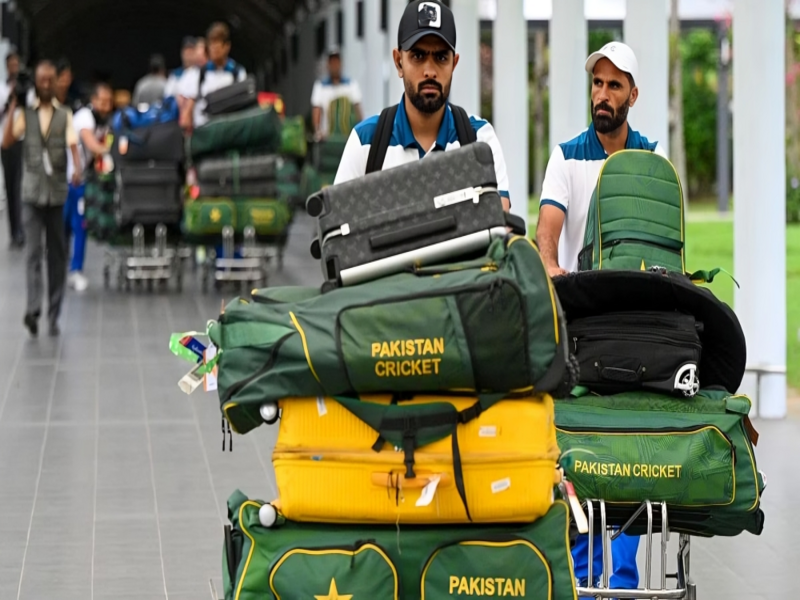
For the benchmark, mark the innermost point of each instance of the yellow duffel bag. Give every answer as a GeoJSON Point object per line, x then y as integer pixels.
{"type": "Point", "coordinates": [500, 467]}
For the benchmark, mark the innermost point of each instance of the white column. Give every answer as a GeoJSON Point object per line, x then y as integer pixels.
{"type": "Point", "coordinates": [760, 196]}
{"type": "Point", "coordinates": [569, 88]}
{"type": "Point", "coordinates": [331, 13]}
{"type": "Point", "coordinates": [465, 90]}
{"type": "Point", "coordinates": [395, 87]}
{"type": "Point", "coordinates": [352, 47]}
{"type": "Point", "coordinates": [374, 48]}
{"type": "Point", "coordinates": [510, 97]}
{"type": "Point", "coordinates": [647, 33]}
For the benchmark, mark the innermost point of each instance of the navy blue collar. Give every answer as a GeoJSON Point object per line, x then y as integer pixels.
{"type": "Point", "coordinates": [404, 136]}
{"type": "Point", "coordinates": [634, 141]}
{"type": "Point", "coordinates": [229, 67]}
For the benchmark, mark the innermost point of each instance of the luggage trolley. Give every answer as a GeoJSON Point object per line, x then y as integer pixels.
{"type": "Point", "coordinates": [249, 269]}
{"type": "Point", "coordinates": [160, 263]}
{"type": "Point", "coordinates": [684, 588]}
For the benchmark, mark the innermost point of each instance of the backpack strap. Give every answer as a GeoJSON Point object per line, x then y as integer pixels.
{"type": "Point", "coordinates": [466, 134]}
{"type": "Point", "coordinates": [381, 139]}
{"type": "Point", "coordinates": [200, 81]}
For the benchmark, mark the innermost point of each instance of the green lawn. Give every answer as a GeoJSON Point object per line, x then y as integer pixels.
{"type": "Point", "coordinates": [710, 244]}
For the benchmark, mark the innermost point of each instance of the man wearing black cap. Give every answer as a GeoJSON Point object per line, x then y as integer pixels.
{"type": "Point", "coordinates": [424, 121]}
{"type": "Point", "coordinates": [332, 89]}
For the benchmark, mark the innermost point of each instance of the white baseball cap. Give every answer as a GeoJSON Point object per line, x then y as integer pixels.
{"type": "Point", "coordinates": [618, 53]}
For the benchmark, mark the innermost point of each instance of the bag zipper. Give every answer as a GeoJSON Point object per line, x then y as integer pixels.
{"type": "Point", "coordinates": [651, 431]}
{"type": "Point", "coordinates": [643, 243]}
{"type": "Point", "coordinates": [500, 540]}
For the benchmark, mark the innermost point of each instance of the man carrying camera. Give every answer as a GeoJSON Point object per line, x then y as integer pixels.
{"type": "Point", "coordinates": [47, 134]}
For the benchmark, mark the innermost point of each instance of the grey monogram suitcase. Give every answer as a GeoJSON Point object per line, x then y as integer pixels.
{"type": "Point", "coordinates": [441, 208]}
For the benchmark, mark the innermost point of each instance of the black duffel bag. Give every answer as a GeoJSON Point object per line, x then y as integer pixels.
{"type": "Point", "coordinates": [649, 350]}
{"type": "Point", "coordinates": [159, 142]}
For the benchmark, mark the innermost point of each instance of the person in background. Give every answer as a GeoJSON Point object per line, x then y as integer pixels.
{"type": "Point", "coordinates": [150, 88]}
{"type": "Point", "coordinates": [189, 51]}
{"type": "Point", "coordinates": [220, 71]}
{"type": "Point", "coordinates": [91, 125]}
{"type": "Point", "coordinates": [12, 157]}
{"type": "Point", "coordinates": [48, 135]}
{"type": "Point", "coordinates": [329, 89]}
{"type": "Point", "coordinates": [66, 94]}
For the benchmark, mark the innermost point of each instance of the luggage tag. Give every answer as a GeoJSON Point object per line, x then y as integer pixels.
{"type": "Point", "coordinates": [48, 166]}
{"type": "Point", "coordinates": [187, 347]}
{"type": "Point", "coordinates": [210, 379]}
{"type": "Point", "coordinates": [429, 491]}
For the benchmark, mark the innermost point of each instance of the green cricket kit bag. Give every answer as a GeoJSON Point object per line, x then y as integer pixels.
{"type": "Point", "coordinates": [635, 218]}
{"type": "Point", "coordinates": [290, 560]}
{"type": "Point", "coordinates": [696, 455]}
{"type": "Point", "coordinates": [487, 326]}
{"type": "Point", "coordinates": [655, 331]}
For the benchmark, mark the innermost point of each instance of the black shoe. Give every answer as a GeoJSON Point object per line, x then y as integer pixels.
{"type": "Point", "coordinates": [32, 323]}
{"type": "Point", "coordinates": [54, 330]}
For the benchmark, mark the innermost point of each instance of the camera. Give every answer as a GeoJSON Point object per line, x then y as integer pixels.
{"type": "Point", "coordinates": [23, 86]}
{"type": "Point", "coordinates": [429, 15]}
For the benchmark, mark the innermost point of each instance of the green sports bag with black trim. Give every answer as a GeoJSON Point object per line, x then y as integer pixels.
{"type": "Point", "coordinates": [291, 561]}
{"type": "Point", "coordinates": [696, 455]}
{"type": "Point", "coordinates": [490, 326]}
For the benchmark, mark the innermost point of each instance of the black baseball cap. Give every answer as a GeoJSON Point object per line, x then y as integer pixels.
{"type": "Point", "coordinates": [425, 17]}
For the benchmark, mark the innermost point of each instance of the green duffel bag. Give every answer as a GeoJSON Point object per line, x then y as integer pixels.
{"type": "Point", "coordinates": [269, 217]}
{"type": "Point", "coordinates": [489, 326]}
{"type": "Point", "coordinates": [293, 137]}
{"type": "Point", "coordinates": [207, 216]}
{"type": "Point", "coordinates": [696, 455]}
{"type": "Point", "coordinates": [304, 560]}
{"type": "Point", "coordinates": [288, 180]}
{"type": "Point", "coordinates": [328, 154]}
{"type": "Point", "coordinates": [635, 218]}
{"type": "Point", "coordinates": [255, 128]}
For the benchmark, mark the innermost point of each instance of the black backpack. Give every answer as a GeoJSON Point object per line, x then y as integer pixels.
{"type": "Point", "coordinates": [383, 134]}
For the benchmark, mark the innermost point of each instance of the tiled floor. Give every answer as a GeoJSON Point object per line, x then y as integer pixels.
{"type": "Point", "coordinates": [113, 483]}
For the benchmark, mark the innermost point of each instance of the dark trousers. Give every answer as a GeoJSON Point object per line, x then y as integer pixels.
{"type": "Point", "coordinates": [45, 235]}
{"type": "Point", "coordinates": [12, 171]}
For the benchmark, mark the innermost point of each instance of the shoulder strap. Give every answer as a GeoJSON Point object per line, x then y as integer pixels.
{"type": "Point", "coordinates": [466, 134]}
{"type": "Point", "coordinates": [202, 78]}
{"type": "Point", "coordinates": [381, 139]}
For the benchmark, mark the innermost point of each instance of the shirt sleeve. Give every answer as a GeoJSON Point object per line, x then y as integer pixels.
{"type": "Point", "coordinates": [84, 119]}
{"type": "Point", "coordinates": [660, 151]}
{"type": "Point", "coordinates": [487, 134]}
{"type": "Point", "coordinates": [316, 95]}
{"type": "Point", "coordinates": [18, 127]}
{"type": "Point", "coordinates": [188, 83]}
{"type": "Point", "coordinates": [72, 135]}
{"type": "Point", "coordinates": [354, 160]}
{"type": "Point", "coordinates": [556, 186]}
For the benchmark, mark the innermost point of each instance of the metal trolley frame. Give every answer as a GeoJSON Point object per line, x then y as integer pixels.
{"type": "Point", "coordinates": [249, 270]}
{"type": "Point", "coordinates": [684, 588]}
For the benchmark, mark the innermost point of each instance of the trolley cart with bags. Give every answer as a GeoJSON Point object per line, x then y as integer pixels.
{"type": "Point", "coordinates": [305, 560]}
{"type": "Point", "coordinates": [426, 212]}
{"type": "Point", "coordinates": [422, 331]}
{"type": "Point", "coordinates": [424, 460]}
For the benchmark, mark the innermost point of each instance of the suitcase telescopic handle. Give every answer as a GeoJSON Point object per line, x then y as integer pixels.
{"type": "Point", "coordinates": [516, 223]}
{"type": "Point", "coordinates": [398, 480]}
{"type": "Point", "coordinates": [420, 230]}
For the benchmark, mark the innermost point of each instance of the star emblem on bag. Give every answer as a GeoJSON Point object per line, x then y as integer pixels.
{"type": "Point", "coordinates": [215, 215]}
{"type": "Point", "coordinates": [333, 594]}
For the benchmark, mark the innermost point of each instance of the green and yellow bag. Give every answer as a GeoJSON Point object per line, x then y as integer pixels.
{"type": "Point", "coordinates": [302, 560]}
{"type": "Point", "coordinates": [208, 216]}
{"type": "Point", "coordinates": [696, 455]}
{"type": "Point", "coordinates": [267, 216]}
{"type": "Point", "coordinates": [490, 326]}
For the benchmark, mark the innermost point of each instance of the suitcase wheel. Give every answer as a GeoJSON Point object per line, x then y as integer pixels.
{"type": "Point", "coordinates": [316, 250]}
{"type": "Point", "coordinates": [315, 205]}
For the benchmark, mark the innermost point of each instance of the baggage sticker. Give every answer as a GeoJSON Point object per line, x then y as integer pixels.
{"type": "Point", "coordinates": [455, 197]}
{"type": "Point", "coordinates": [487, 431]}
{"type": "Point", "coordinates": [322, 408]}
{"type": "Point", "coordinates": [428, 492]}
{"type": "Point", "coordinates": [501, 486]}
{"type": "Point", "coordinates": [210, 379]}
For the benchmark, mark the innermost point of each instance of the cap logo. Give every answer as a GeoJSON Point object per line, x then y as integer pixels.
{"type": "Point", "coordinates": [429, 15]}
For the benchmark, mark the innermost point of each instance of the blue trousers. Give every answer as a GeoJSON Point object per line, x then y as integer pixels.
{"type": "Point", "coordinates": [76, 225]}
{"type": "Point", "coordinates": [625, 574]}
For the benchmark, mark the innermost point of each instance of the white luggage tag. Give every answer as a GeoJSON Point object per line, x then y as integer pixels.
{"type": "Point", "coordinates": [470, 193]}
{"type": "Point", "coordinates": [429, 491]}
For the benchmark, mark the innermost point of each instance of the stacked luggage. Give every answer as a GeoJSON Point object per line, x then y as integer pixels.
{"type": "Point", "coordinates": [656, 415]}
{"type": "Point", "coordinates": [148, 153]}
{"type": "Point", "coordinates": [236, 163]}
{"type": "Point", "coordinates": [416, 451]}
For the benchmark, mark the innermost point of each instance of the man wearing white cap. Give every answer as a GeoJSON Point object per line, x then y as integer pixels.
{"type": "Point", "coordinates": [575, 165]}
{"type": "Point", "coordinates": [569, 182]}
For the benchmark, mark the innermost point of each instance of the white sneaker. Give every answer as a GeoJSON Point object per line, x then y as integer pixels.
{"type": "Point", "coordinates": [77, 281]}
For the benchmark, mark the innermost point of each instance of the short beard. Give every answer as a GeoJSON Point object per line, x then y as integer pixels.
{"type": "Point", "coordinates": [423, 103]}
{"type": "Point", "coordinates": [603, 124]}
